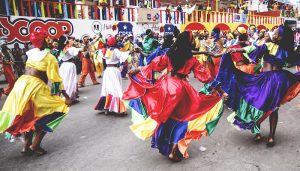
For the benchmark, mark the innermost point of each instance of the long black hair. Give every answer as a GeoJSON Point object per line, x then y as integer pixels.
{"type": "Point", "coordinates": [180, 51]}
{"type": "Point", "coordinates": [168, 41]}
{"type": "Point", "coordinates": [62, 43]}
{"type": "Point", "coordinates": [287, 41]}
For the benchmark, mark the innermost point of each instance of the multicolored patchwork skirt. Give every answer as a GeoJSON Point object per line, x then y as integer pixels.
{"type": "Point", "coordinates": [171, 112]}
{"type": "Point", "coordinates": [31, 104]}
{"type": "Point", "coordinates": [111, 92]}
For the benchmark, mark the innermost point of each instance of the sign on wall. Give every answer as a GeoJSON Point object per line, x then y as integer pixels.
{"type": "Point", "coordinates": [18, 29]}
{"type": "Point", "coordinates": [147, 15]}
{"type": "Point", "coordinates": [240, 18]}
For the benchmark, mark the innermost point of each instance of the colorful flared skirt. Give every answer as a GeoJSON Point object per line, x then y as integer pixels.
{"type": "Point", "coordinates": [171, 112]}
{"type": "Point", "coordinates": [111, 92]}
{"type": "Point", "coordinates": [30, 104]}
{"type": "Point", "coordinates": [255, 97]}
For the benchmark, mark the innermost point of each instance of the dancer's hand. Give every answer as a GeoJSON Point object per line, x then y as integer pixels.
{"type": "Point", "coordinates": [134, 71]}
{"type": "Point", "coordinates": [230, 50]}
{"type": "Point", "coordinates": [68, 102]}
{"type": "Point", "coordinates": [225, 96]}
{"type": "Point", "coordinates": [137, 50]}
{"type": "Point", "coordinates": [298, 68]}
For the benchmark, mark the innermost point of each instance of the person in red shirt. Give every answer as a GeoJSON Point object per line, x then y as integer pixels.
{"type": "Point", "coordinates": [6, 60]}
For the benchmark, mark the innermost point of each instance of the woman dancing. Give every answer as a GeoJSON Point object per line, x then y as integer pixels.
{"type": "Point", "coordinates": [68, 70]}
{"type": "Point", "coordinates": [32, 107]}
{"type": "Point", "coordinates": [111, 93]}
{"type": "Point", "coordinates": [256, 97]}
{"type": "Point", "coordinates": [174, 112]}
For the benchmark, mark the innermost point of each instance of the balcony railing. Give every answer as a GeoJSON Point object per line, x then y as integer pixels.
{"type": "Point", "coordinates": [40, 8]}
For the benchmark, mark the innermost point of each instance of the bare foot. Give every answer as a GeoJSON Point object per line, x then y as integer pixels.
{"type": "Point", "coordinates": [174, 158]}
{"type": "Point", "coordinates": [174, 154]}
{"type": "Point", "coordinates": [38, 150]}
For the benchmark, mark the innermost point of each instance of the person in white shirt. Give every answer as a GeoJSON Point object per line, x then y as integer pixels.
{"type": "Point", "coordinates": [110, 100]}
{"type": "Point", "coordinates": [68, 72]}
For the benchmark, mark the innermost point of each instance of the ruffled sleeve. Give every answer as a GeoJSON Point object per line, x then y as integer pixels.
{"type": "Point", "coordinates": [52, 72]}
{"type": "Point", "coordinates": [203, 72]}
{"type": "Point", "coordinates": [158, 64]}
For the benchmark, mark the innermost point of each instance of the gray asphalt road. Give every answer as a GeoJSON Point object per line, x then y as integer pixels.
{"type": "Point", "coordinates": [87, 140]}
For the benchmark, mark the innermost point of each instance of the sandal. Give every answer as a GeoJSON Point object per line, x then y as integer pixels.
{"type": "Point", "coordinates": [270, 142]}
{"type": "Point", "coordinates": [258, 138]}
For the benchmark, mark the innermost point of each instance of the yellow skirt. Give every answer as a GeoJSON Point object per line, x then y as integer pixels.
{"type": "Point", "coordinates": [30, 103]}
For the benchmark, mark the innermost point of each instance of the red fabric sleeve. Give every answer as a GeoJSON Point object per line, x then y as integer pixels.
{"type": "Point", "coordinates": [158, 64]}
{"type": "Point", "coordinates": [203, 72]}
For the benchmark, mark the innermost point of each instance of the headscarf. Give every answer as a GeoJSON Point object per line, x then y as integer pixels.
{"type": "Point", "coordinates": [216, 33]}
{"type": "Point", "coordinates": [241, 30]}
{"type": "Point", "coordinates": [111, 41]}
{"type": "Point", "coordinates": [37, 38]}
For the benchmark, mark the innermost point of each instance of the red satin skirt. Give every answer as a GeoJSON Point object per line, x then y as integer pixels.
{"type": "Point", "coordinates": [170, 97]}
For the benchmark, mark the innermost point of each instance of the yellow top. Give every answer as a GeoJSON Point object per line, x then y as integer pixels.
{"type": "Point", "coordinates": [272, 47]}
{"type": "Point", "coordinates": [127, 46]}
{"type": "Point", "coordinates": [47, 64]}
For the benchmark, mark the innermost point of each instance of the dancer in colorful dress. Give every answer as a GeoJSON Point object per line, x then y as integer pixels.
{"type": "Point", "coordinates": [171, 110]}
{"type": "Point", "coordinates": [98, 61]}
{"type": "Point", "coordinates": [32, 107]}
{"type": "Point", "coordinates": [127, 46]}
{"type": "Point", "coordinates": [68, 72]}
{"type": "Point", "coordinates": [241, 60]}
{"type": "Point", "coordinates": [215, 47]}
{"type": "Point", "coordinates": [110, 100]}
{"type": "Point", "coordinates": [257, 97]}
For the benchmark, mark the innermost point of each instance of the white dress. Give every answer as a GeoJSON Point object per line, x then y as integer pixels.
{"type": "Point", "coordinates": [68, 73]}
{"type": "Point", "coordinates": [111, 92]}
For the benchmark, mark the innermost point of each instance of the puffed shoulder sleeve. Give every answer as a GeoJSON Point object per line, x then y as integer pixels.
{"type": "Point", "coordinates": [52, 72]}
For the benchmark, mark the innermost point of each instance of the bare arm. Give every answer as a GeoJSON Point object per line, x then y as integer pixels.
{"type": "Point", "coordinates": [221, 91]}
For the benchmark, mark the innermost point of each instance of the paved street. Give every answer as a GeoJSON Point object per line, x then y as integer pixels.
{"type": "Point", "coordinates": [87, 140]}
